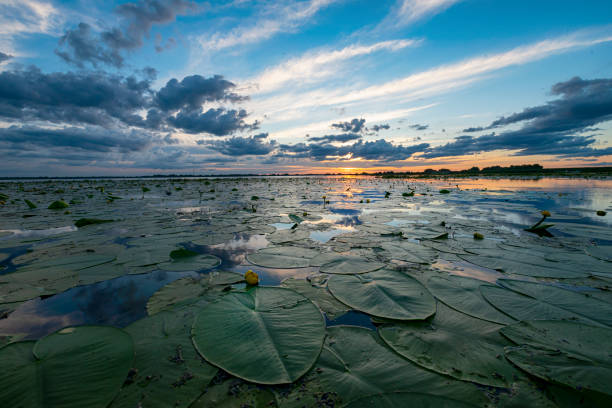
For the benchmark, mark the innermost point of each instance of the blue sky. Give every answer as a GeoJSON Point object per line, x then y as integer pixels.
{"type": "Point", "coordinates": [152, 86]}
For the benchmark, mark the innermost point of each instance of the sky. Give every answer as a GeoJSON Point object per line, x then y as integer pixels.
{"type": "Point", "coordinates": [91, 88]}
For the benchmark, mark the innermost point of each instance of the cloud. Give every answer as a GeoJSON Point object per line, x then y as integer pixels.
{"type": "Point", "coordinates": [355, 125]}
{"type": "Point", "coordinates": [87, 97]}
{"type": "Point", "coordinates": [341, 138]}
{"type": "Point", "coordinates": [283, 19]}
{"type": "Point", "coordinates": [380, 150]}
{"type": "Point", "coordinates": [82, 45]}
{"type": "Point", "coordinates": [555, 128]}
{"type": "Point", "coordinates": [426, 83]}
{"type": "Point", "coordinates": [317, 66]}
{"type": "Point", "coordinates": [98, 98]}
{"type": "Point", "coordinates": [4, 57]}
{"type": "Point", "coordinates": [408, 11]}
{"type": "Point", "coordinates": [195, 90]}
{"type": "Point", "coordinates": [92, 139]}
{"type": "Point", "coordinates": [218, 122]}
{"type": "Point", "coordinates": [416, 126]}
{"type": "Point", "coordinates": [241, 146]}
{"type": "Point", "coordinates": [378, 128]}
{"type": "Point", "coordinates": [27, 17]}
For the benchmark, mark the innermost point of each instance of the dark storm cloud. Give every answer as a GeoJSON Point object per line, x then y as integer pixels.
{"type": "Point", "coordinates": [82, 45]}
{"type": "Point", "coordinates": [4, 57]}
{"type": "Point", "coordinates": [98, 98]}
{"type": "Point", "coordinates": [378, 128]}
{"type": "Point", "coordinates": [371, 150]}
{"type": "Point", "coordinates": [555, 128]}
{"type": "Point", "coordinates": [94, 139]}
{"type": "Point", "coordinates": [193, 91]}
{"type": "Point", "coordinates": [90, 97]}
{"type": "Point", "coordinates": [354, 126]}
{"type": "Point", "coordinates": [343, 137]}
{"type": "Point", "coordinates": [218, 122]}
{"type": "Point", "coordinates": [240, 146]}
{"type": "Point", "coordinates": [419, 127]}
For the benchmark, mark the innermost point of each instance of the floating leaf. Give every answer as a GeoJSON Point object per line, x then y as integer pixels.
{"type": "Point", "coordinates": [234, 392]}
{"type": "Point", "coordinates": [454, 344]}
{"type": "Point", "coordinates": [264, 335]}
{"type": "Point", "coordinates": [169, 372]}
{"type": "Point", "coordinates": [75, 367]}
{"type": "Point", "coordinates": [80, 223]}
{"type": "Point", "coordinates": [522, 307]}
{"type": "Point", "coordinates": [463, 294]}
{"type": "Point", "coordinates": [387, 294]}
{"type": "Point", "coordinates": [568, 353]}
{"type": "Point", "coordinates": [191, 263]}
{"type": "Point", "coordinates": [406, 399]}
{"type": "Point", "coordinates": [58, 205]}
{"type": "Point", "coordinates": [282, 257]}
{"type": "Point", "coordinates": [350, 265]}
{"type": "Point", "coordinates": [318, 295]}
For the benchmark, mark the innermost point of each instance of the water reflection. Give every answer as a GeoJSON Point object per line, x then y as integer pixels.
{"type": "Point", "coordinates": [117, 302]}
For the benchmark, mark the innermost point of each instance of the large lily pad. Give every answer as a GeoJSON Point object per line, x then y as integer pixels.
{"type": "Point", "coordinates": [350, 265]}
{"type": "Point", "coordinates": [568, 353]}
{"type": "Point", "coordinates": [191, 263]}
{"type": "Point", "coordinates": [387, 294]}
{"type": "Point", "coordinates": [189, 289]}
{"type": "Point", "coordinates": [463, 294]}
{"type": "Point", "coordinates": [576, 302]}
{"type": "Point", "coordinates": [405, 399]}
{"type": "Point", "coordinates": [356, 363]}
{"type": "Point", "coordinates": [264, 335]}
{"type": "Point", "coordinates": [319, 296]}
{"type": "Point", "coordinates": [454, 344]}
{"type": "Point", "coordinates": [170, 373]}
{"type": "Point", "coordinates": [522, 307]}
{"type": "Point", "coordinates": [234, 392]}
{"type": "Point", "coordinates": [283, 257]}
{"type": "Point", "coordinates": [75, 367]}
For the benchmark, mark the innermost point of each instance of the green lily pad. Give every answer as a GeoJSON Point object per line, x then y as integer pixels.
{"type": "Point", "coordinates": [522, 307]}
{"type": "Point", "coordinates": [187, 290]}
{"type": "Point", "coordinates": [387, 294]}
{"type": "Point", "coordinates": [191, 263]}
{"type": "Point", "coordinates": [579, 303]}
{"type": "Point", "coordinates": [234, 392]}
{"type": "Point", "coordinates": [318, 295]}
{"type": "Point", "coordinates": [573, 354]}
{"type": "Point", "coordinates": [82, 222]}
{"type": "Point", "coordinates": [355, 363]}
{"type": "Point", "coordinates": [406, 399]}
{"type": "Point", "coordinates": [264, 335]}
{"type": "Point", "coordinates": [456, 345]}
{"type": "Point", "coordinates": [282, 257]}
{"type": "Point", "coordinates": [75, 367]}
{"type": "Point", "coordinates": [463, 294]}
{"type": "Point", "coordinates": [170, 373]}
{"type": "Point", "coordinates": [58, 205]}
{"type": "Point", "coordinates": [350, 265]}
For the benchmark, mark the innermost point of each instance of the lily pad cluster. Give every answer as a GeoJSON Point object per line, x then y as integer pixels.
{"type": "Point", "coordinates": [458, 306]}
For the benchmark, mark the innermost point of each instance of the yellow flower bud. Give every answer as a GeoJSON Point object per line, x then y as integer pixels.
{"type": "Point", "coordinates": [545, 213]}
{"type": "Point", "coordinates": [251, 278]}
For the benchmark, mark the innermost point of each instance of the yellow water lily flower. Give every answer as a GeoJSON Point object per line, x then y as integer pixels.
{"type": "Point", "coordinates": [545, 213]}
{"type": "Point", "coordinates": [251, 278]}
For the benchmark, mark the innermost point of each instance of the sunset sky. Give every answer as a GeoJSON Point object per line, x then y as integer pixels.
{"type": "Point", "coordinates": [311, 86]}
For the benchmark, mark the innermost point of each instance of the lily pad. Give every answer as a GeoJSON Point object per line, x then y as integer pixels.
{"type": "Point", "coordinates": [522, 307]}
{"type": "Point", "coordinates": [283, 257]}
{"type": "Point", "coordinates": [350, 265]}
{"type": "Point", "coordinates": [169, 371]}
{"type": "Point", "coordinates": [456, 345]}
{"type": "Point", "coordinates": [75, 367]}
{"type": "Point", "coordinates": [355, 363]}
{"type": "Point", "coordinates": [264, 335]}
{"type": "Point", "coordinates": [191, 263]}
{"type": "Point", "coordinates": [573, 354]}
{"type": "Point", "coordinates": [318, 295]}
{"type": "Point", "coordinates": [234, 392]}
{"type": "Point", "coordinates": [387, 294]}
{"type": "Point", "coordinates": [463, 294]}
{"type": "Point", "coordinates": [187, 290]}
{"type": "Point", "coordinates": [405, 399]}
{"type": "Point", "coordinates": [576, 302]}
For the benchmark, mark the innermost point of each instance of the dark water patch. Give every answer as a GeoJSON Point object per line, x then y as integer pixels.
{"type": "Point", "coordinates": [351, 318]}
